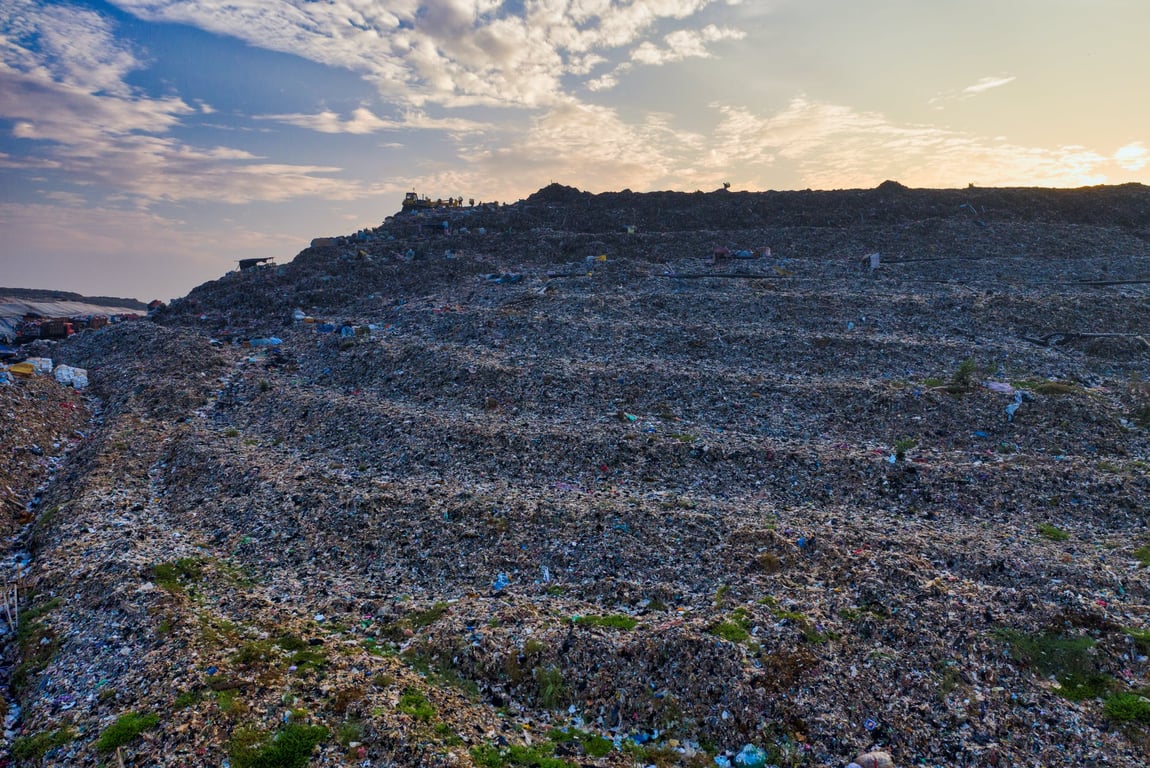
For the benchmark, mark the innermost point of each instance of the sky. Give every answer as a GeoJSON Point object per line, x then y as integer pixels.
{"type": "Point", "coordinates": [146, 145]}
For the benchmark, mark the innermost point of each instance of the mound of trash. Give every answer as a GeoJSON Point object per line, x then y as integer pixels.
{"type": "Point", "coordinates": [724, 478]}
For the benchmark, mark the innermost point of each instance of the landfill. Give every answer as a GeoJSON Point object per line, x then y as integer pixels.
{"type": "Point", "coordinates": [551, 484]}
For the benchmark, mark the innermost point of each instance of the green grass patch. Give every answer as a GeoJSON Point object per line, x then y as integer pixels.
{"type": "Point", "coordinates": [228, 700]}
{"type": "Point", "coordinates": [1066, 657]}
{"type": "Point", "coordinates": [308, 659]}
{"type": "Point", "coordinates": [188, 699]}
{"type": "Point", "coordinates": [438, 671]}
{"type": "Point", "coordinates": [349, 731]}
{"type": "Point", "coordinates": [612, 621]}
{"type": "Point", "coordinates": [1141, 638]}
{"type": "Point", "coordinates": [173, 575]}
{"type": "Point", "coordinates": [397, 630]}
{"type": "Point", "coordinates": [34, 746]}
{"type": "Point", "coordinates": [35, 612]}
{"type": "Point", "coordinates": [289, 747]}
{"type": "Point", "coordinates": [736, 628]}
{"type": "Point", "coordinates": [1128, 708]}
{"type": "Point", "coordinates": [426, 617]}
{"type": "Point", "coordinates": [1093, 685]}
{"type": "Point", "coordinates": [413, 702]}
{"type": "Point", "coordinates": [1142, 555]}
{"type": "Point", "coordinates": [731, 631]}
{"type": "Point", "coordinates": [255, 652]}
{"type": "Point", "coordinates": [291, 642]}
{"type": "Point", "coordinates": [127, 727]}
{"type": "Point", "coordinates": [37, 643]}
{"type": "Point", "coordinates": [447, 735]}
{"type": "Point", "coordinates": [902, 445]}
{"type": "Point", "coordinates": [593, 744]}
{"type": "Point", "coordinates": [1052, 532]}
{"type": "Point", "coordinates": [516, 756]}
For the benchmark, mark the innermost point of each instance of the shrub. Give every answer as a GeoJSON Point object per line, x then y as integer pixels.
{"type": "Point", "coordinates": [902, 446]}
{"type": "Point", "coordinates": [127, 727]}
{"type": "Point", "coordinates": [963, 376]}
{"type": "Point", "coordinates": [551, 687]}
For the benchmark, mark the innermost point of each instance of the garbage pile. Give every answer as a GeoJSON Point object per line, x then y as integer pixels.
{"type": "Point", "coordinates": [39, 420]}
{"type": "Point", "coordinates": [581, 492]}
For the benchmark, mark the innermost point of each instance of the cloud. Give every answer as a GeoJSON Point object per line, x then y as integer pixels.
{"type": "Point", "coordinates": [941, 99]}
{"type": "Point", "coordinates": [364, 121]}
{"type": "Point", "coordinates": [684, 44]}
{"type": "Point", "coordinates": [63, 85]}
{"type": "Point", "coordinates": [987, 83]}
{"type": "Point", "coordinates": [74, 45]}
{"type": "Point", "coordinates": [448, 52]}
{"type": "Point", "coordinates": [1132, 157]}
{"type": "Point", "coordinates": [835, 146]}
{"type": "Point", "coordinates": [586, 145]}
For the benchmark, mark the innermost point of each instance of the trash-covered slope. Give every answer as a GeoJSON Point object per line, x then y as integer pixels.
{"type": "Point", "coordinates": [468, 486]}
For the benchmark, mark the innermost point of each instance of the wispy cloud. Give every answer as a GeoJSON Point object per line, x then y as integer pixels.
{"type": "Point", "coordinates": [987, 83]}
{"type": "Point", "coordinates": [364, 121]}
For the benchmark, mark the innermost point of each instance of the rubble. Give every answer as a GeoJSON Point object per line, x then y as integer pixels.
{"type": "Point", "coordinates": [631, 511]}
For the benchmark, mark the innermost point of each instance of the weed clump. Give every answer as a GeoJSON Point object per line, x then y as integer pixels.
{"type": "Point", "coordinates": [127, 727]}
{"type": "Point", "coordinates": [613, 621]}
{"type": "Point", "coordinates": [413, 702]}
{"type": "Point", "coordinates": [1052, 532]}
{"type": "Point", "coordinates": [1142, 555]}
{"type": "Point", "coordinates": [593, 744]}
{"type": "Point", "coordinates": [254, 652]}
{"type": "Point", "coordinates": [736, 629]}
{"type": "Point", "coordinates": [172, 576]}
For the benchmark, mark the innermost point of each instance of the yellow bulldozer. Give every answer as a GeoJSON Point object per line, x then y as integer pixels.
{"type": "Point", "coordinates": [414, 202]}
